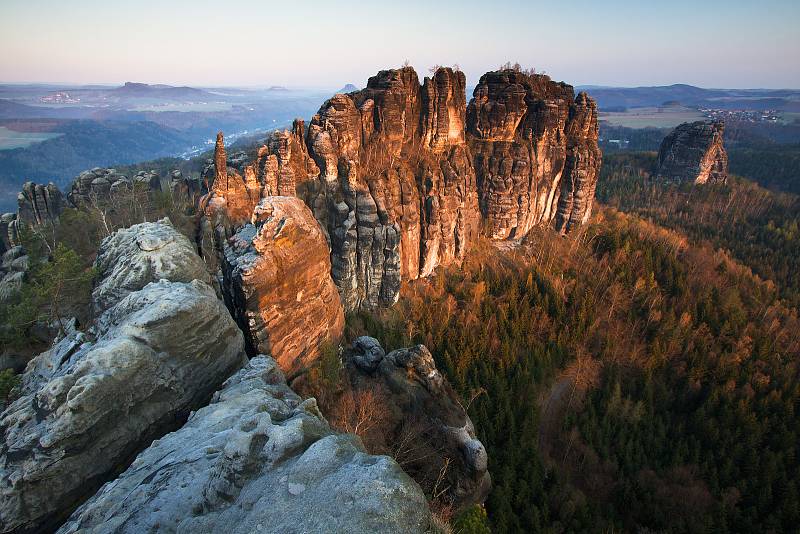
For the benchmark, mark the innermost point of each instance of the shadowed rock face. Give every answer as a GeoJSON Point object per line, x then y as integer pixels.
{"type": "Point", "coordinates": [160, 347]}
{"type": "Point", "coordinates": [257, 459]}
{"type": "Point", "coordinates": [39, 204]}
{"type": "Point", "coordinates": [534, 147]}
{"type": "Point", "coordinates": [277, 282]}
{"type": "Point", "coordinates": [417, 398]}
{"type": "Point", "coordinates": [694, 152]}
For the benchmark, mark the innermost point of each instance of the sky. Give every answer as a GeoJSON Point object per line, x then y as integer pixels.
{"type": "Point", "coordinates": [325, 44]}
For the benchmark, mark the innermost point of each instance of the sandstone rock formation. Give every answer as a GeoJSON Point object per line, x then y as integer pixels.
{"type": "Point", "coordinates": [418, 399]}
{"type": "Point", "coordinates": [277, 283]}
{"type": "Point", "coordinates": [694, 152]}
{"type": "Point", "coordinates": [534, 146]}
{"type": "Point", "coordinates": [133, 257]}
{"type": "Point", "coordinates": [39, 204]}
{"type": "Point", "coordinates": [13, 265]}
{"type": "Point", "coordinates": [99, 185]}
{"type": "Point", "coordinates": [396, 190]}
{"type": "Point", "coordinates": [257, 459]}
{"type": "Point", "coordinates": [401, 176]}
{"type": "Point", "coordinates": [159, 349]}
{"type": "Point", "coordinates": [9, 231]}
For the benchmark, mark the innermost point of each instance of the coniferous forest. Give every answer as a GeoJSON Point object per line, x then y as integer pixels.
{"type": "Point", "coordinates": [640, 375]}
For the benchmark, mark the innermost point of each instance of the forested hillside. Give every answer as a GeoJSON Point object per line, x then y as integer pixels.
{"type": "Point", "coordinates": [621, 379]}
{"type": "Point", "coordinates": [759, 227]}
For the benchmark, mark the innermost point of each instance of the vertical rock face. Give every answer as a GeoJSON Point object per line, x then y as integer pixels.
{"type": "Point", "coordinates": [162, 344]}
{"type": "Point", "coordinates": [234, 191]}
{"type": "Point", "coordinates": [396, 191]}
{"type": "Point", "coordinates": [534, 147]}
{"type": "Point", "coordinates": [257, 459]}
{"type": "Point", "coordinates": [277, 281]}
{"type": "Point", "coordinates": [401, 176]}
{"type": "Point", "coordinates": [39, 204]}
{"type": "Point", "coordinates": [694, 152]}
{"type": "Point", "coordinates": [9, 231]}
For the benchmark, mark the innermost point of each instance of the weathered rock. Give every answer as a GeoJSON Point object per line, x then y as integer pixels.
{"type": "Point", "coordinates": [277, 283]}
{"type": "Point", "coordinates": [396, 193]}
{"type": "Point", "coordinates": [39, 204]}
{"type": "Point", "coordinates": [257, 459]}
{"type": "Point", "coordinates": [419, 400]}
{"type": "Point", "coordinates": [233, 194]}
{"type": "Point", "coordinates": [13, 266]}
{"type": "Point", "coordinates": [158, 351]}
{"type": "Point", "coordinates": [9, 231]}
{"type": "Point", "coordinates": [100, 187]}
{"type": "Point", "coordinates": [694, 152]}
{"type": "Point", "coordinates": [10, 285]}
{"type": "Point", "coordinates": [393, 172]}
{"type": "Point", "coordinates": [534, 146]}
{"type": "Point", "coordinates": [133, 257]}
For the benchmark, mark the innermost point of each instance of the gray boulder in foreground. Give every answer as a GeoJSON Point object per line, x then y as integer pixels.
{"type": "Point", "coordinates": [257, 459]}
{"type": "Point", "coordinates": [131, 258]}
{"type": "Point", "coordinates": [94, 400]}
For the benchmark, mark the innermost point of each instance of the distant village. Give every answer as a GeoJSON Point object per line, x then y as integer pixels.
{"type": "Point", "coordinates": [768, 115]}
{"type": "Point", "coordinates": [60, 97]}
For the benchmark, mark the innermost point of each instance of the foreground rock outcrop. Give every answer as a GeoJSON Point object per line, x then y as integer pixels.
{"type": "Point", "coordinates": [277, 283]}
{"type": "Point", "coordinates": [420, 408]}
{"type": "Point", "coordinates": [162, 344]}
{"type": "Point", "coordinates": [402, 176]}
{"type": "Point", "coordinates": [133, 257]}
{"type": "Point", "coordinates": [694, 152]}
{"type": "Point", "coordinates": [257, 459]}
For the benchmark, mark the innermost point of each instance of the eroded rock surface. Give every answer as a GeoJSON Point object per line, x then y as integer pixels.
{"type": "Point", "coordinates": [133, 257]}
{"type": "Point", "coordinates": [162, 345]}
{"type": "Point", "coordinates": [694, 152]}
{"type": "Point", "coordinates": [277, 283]}
{"type": "Point", "coordinates": [420, 406]}
{"type": "Point", "coordinates": [534, 147]}
{"type": "Point", "coordinates": [99, 186]}
{"type": "Point", "coordinates": [257, 459]}
{"type": "Point", "coordinates": [394, 172]}
{"type": "Point", "coordinates": [39, 204]}
{"type": "Point", "coordinates": [396, 192]}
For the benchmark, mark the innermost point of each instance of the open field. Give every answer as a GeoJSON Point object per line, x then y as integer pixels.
{"type": "Point", "coordinates": [654, 117]}
{"type": "Point", "coordinates": [12, 139]}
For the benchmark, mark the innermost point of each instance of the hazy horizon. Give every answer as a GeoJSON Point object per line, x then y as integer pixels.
{"type": "Point", "coordinates": [621, 43]}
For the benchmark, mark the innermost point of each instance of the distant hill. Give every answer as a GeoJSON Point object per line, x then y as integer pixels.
{"type": "Point", "coordinates": [349, 88]}
{"type": "Point", "coordinates": [143, 90]}
{"type": "Point", "coordinates": [614, 98]}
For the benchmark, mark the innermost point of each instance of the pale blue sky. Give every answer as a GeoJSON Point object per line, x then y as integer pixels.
{"type": "Point", "coordinates": [711, 43]}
